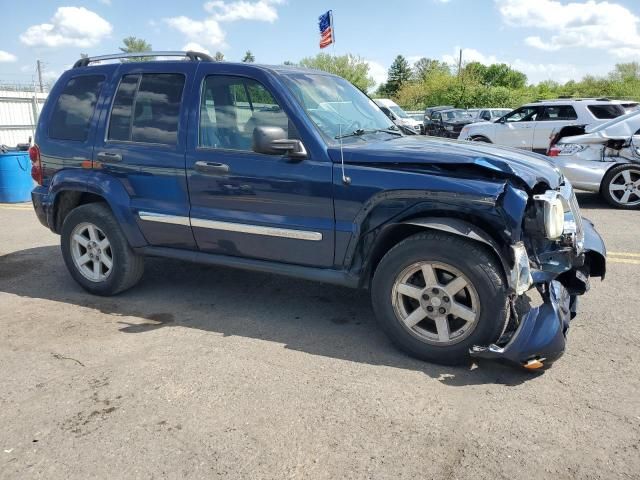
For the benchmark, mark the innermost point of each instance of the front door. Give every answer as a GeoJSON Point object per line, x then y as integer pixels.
{"type": "Point", "coordinates": [518, 128]}
{"type": "Point", "coordinates": [249, 204]}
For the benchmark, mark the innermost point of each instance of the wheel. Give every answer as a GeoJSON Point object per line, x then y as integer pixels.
{"type": "Point", "coordinates": [437, 295]}
{"type": "Point", "coordinates": [621, 186]}
{"type": "Point", "coordinates": [96, 251]}
{"type": "Point", "coordinates": [480, 139]}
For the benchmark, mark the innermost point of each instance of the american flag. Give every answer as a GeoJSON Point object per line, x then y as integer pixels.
{"type": "Point", "coordinates": [325, 22]}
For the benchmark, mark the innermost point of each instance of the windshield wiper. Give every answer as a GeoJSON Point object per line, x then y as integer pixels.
{"type": "Point", "coordinates": [361, 131]}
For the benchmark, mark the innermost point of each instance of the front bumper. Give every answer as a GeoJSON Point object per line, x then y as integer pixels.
{"type": "Point", "coordinates": [540, 336]}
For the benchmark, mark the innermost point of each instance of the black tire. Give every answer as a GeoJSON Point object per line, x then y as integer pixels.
{"type": "Point", "coordinates": [127, 266]}
{"type": "Point", "coordinates": [480, 138]}
{"type": "Point", "coordinates": [610, 176]}
{"type": "Point", "coordinates": [474, 261]}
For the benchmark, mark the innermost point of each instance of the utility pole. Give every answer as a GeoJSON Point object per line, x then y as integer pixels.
{"type": "Point", "coordinates": [460, 63]}
{"type": "Point", "coordinates": [39, 66]}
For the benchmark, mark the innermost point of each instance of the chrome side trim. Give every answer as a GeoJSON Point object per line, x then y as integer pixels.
{"type": "Point", "coordinates": [162, 218]}
{"type": "Point", "coordinates": [257, 230]}
{"type": "Point", "coordinates": [230, 226]}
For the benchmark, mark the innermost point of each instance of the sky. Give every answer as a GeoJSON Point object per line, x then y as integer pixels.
{"type": "Point", "coordinates": [546, 39]}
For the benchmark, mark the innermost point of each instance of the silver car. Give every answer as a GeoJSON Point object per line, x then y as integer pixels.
{"type": "Point", "coordinates": [603, 158]}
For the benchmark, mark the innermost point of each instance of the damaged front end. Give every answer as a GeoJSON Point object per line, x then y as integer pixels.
{"type": "Point", "coordinates": [559, 251]}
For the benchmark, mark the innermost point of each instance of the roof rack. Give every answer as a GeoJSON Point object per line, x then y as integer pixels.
{"type": "Point", "coordinates": [193, 56]}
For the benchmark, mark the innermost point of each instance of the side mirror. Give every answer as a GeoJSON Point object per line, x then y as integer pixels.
{"type": "Point", "coordinates": [274, 141]}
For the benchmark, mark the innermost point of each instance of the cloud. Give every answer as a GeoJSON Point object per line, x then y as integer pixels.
{"type": "Point", "coordinates": [262, 10]}
{"type": "Point", "coordinates": [205, 31]}
{"type": "Point", "coordinates": [7, 57]}
{"type": "Point", "coordinates": [105, 2]}
{"type": "Point", "coordinates": [209, 32]}
{"type": "Point", "coordinates": [592, 24]}
{"type": "Point", "coordinates": [377, 71]}
{"type": "Point", "coordinates": [196, 47]}
{"type": "Point", "coordinates": [69, 26]}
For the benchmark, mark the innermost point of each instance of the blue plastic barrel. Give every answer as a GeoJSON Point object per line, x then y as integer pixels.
{"type": "Point", "coordinates": [15, 177]}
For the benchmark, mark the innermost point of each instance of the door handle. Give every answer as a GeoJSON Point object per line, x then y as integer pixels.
{"type": "Point", "coordinates": [211, 168]}
{"type": "Point", "coordinates": [109, 157]}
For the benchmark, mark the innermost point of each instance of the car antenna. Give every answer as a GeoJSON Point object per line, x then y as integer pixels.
{"type": "Point", "coordinates": [346, 180]}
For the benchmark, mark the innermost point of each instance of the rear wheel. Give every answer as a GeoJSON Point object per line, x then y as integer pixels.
{"type": "Point", "coordinates": [437, 295]}
{"type": "Point", "coordinates": [97, 253]}
{"type": "Point", "coordinates": [621, 187]}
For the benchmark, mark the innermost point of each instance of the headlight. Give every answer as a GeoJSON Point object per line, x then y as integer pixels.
{"type": "Point", "coordinates": [553, 214]}
{"type": "Point", "coordinates": [521, 273]}
{"type": "Point", "coordinates": [569, 148]}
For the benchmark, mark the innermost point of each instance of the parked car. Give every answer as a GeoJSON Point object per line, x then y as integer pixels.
{"type": "Point", "coordinates": [397, 115]}
{"type": "Point", "coordinates": [249, 166]}
{"type": "Point", "coordinates": [491, 114]}
{"type": "Point", "coordinates": [448, 123]}
{"type": "Point", "coordinates": [604, 158]}
{"type": "Point", "coordinates": [427, 115]}
{"type": "Point", "coordinates": [628, 105]}
{"type": "Point", "coordinates": [529, 127]}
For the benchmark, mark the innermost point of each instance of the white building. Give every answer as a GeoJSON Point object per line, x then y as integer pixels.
{"type": "Point", "coordinates": [19, 111]}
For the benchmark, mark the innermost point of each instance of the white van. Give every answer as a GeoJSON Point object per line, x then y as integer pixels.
{"type": "Point", "coordinates": [397, 114]}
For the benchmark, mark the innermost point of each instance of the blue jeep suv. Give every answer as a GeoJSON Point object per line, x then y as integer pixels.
{"type": "Point", "coordinates": [294, 171]}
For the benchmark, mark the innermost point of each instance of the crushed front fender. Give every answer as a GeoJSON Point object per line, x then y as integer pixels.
{"type": "Point", "coordinates": [541, 334]}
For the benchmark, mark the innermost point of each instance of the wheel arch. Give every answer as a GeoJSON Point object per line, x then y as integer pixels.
{"type": "Point", "coordinates": [394, 233]}
{"type": "Point", "coordinates": [96, 187]}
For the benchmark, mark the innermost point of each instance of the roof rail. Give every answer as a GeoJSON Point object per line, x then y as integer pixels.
{"type": "Point", "coordinates": [193, 56]}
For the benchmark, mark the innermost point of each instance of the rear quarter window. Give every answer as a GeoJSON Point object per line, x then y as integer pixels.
{"type": "Point", "coordinates": [606, 111]}
{"type": "Point", "coordinates": [559, 112]}
{"type": "Point", "coordinates": [74, 108]}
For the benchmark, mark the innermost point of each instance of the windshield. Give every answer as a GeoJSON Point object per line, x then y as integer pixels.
{"type": "Point", "coordinates": [335, 105]}
{"type": "Point", "coordinates": [615, 121]}
{"type": "Point", "coordinates": [456, 115]}
{"type": "Point", "coordinates": [500, 112]}
{"type": "Point", "coordinates": [398, 111]}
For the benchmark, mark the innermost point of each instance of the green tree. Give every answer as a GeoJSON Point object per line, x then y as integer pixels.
{"type": "Point", "coordinates": [399, 74]}
{"type": "Point", "coordinates": [350, 67]}
{"type": "Point", "coordinates": [248, 57]}
{"type": "Point", "coordinates": [624, 72]}
{"type": "Point", "coordinates": [219, 57]}
{"type": "Point", "coordinates": [425, 67]}
{"type": "Point", "coordinates": [136, 45]}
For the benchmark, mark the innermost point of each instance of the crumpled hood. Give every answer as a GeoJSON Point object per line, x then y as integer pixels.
{"type": "Point", "coordinates": [531, 168]}
{"type": "Point", "coordinates": [459, 122]}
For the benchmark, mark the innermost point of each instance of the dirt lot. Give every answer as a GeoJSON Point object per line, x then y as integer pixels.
{"type": "Point", "coordinates": [204, 372]}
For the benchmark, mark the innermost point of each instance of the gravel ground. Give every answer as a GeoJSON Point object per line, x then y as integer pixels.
{"type": "Point", "coordinates": [205, 372]}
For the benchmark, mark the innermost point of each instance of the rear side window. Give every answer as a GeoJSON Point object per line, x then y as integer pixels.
{"type": "Point", "coordinates": [606, 111]}
{"type": "Point", "coordinates": [146, 108]}
{"type": "Point", "coordinates": [74, 108]}
{"type": "Point", "coordinates": [559, 112]}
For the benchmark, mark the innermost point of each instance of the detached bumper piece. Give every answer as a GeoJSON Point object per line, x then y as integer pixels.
{"type": "Point", "coordinates": [541, 335]}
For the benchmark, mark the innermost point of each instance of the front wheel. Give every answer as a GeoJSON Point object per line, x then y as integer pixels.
{"type": "Point", "coordinates": [621, 187]}
{"type": "Point", "coordinates": [96, 251]}
{"type": "Point", "coordinates": [438, 295]}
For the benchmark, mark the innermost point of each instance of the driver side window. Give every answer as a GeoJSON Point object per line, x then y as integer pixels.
{"type": "Point", "coordinates": [231, 108]}
{"type": "Point", "coordinates": [523, 114]}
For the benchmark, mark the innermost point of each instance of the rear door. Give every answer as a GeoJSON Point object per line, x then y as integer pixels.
{"type": "Point", "coordinates": [518, 128]}
{"type": "Point", "coordinates": [552, 117]}
{"type": "Point", "coordinates": [250, 204]}
{"type": "Point", "coordinates": [142, 145]}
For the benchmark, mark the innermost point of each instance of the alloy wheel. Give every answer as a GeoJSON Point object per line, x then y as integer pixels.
{"type": "Point", "coordinates": [436, 303]}
{"type": "Point", "coordinates": [625, 187]}
{"type": "Point", "coordinates": [91, 252]}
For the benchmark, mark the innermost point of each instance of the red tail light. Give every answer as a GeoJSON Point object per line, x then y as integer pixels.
{"type": "Point", "coordinates": [36, 164]}
{"type": "Point", "coordinates": [553, 152]}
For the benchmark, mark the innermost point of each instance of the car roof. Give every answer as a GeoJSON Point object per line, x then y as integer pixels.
{"type": "Point", "coordinates": [570, 101]}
